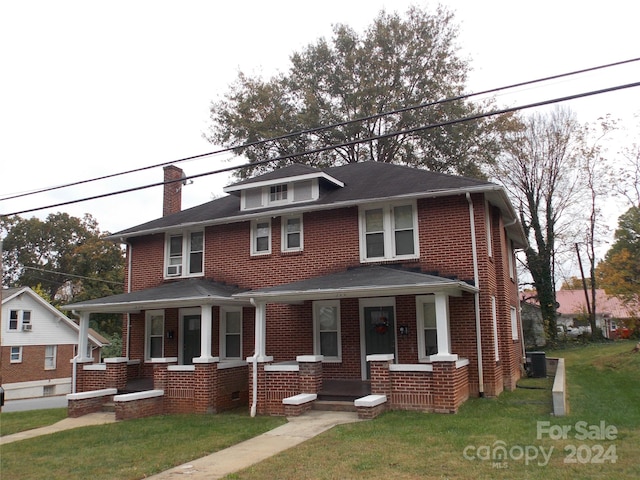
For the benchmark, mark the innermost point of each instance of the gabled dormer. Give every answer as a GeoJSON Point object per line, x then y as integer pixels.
{"type": "Point", "coordinates": [287, 186]}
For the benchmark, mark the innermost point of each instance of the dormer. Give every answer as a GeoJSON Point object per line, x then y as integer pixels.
{"type": "Point", "coordinates": [287, 186]}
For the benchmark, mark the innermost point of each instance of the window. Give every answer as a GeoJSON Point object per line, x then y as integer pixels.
{"type": "Point", "coordinates": [50, 357]}
{"type": "Point", "coordinates": [514, 324]}
{"type": "Point", "coordinates": [511, 265]}
{"type": "Point", "coordinates": [487, 220]}
{"type": "Point", "coordinates": [16, 354]}
{"type": "Point", "coordinates": [154, 342]}
{"type": "Point", "coordinates": [292, 234]}
{"type": "Point", "coordinates": [278, 193]}
{"type": "Point", "coordinates": [326, 330]}
{"type": "Point", "coordinates": [13, 320]}
{"type": "Point", "coordinates": [427, 326]}
{"type": "Point", "coordinates": [388, 232]}
{"type": "Point", "coordinates": [494, 319]}
{"type": "Point", "coordinates": [231, 333]}
{"type": "Point", "coordinates": [185, 254]}
{"type": "Point", "coordinates": [260, 237]}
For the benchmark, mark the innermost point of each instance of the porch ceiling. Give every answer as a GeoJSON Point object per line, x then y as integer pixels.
{"type": "Point", "coordinates": [369, 281]}
{"type": "Point", "coordinates": [183, 293]}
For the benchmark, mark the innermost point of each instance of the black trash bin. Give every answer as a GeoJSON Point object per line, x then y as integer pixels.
{"type": "Point", "coordinates": [537, 364]}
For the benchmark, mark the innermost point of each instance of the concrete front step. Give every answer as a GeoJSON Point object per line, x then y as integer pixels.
{"type": "Point", "coordinates": [109, 407]}
{"type": "Point", "coordinates": [333, 406]}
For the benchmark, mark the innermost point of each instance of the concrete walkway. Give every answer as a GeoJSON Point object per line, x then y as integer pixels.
{"type": "Point", "coordinates": [229, 460]}
{"type": "Point", "coordinates": [66, 424]}
{"type": "Point", "coordinates": [254, 450]}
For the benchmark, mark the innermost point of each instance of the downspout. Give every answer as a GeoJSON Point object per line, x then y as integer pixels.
{"type": "Point", "coordinates": [254, 400]}
{"type": "Point", "coordinates": [476, 280]}
{"type": "Point", "coordinates": [129, 260]}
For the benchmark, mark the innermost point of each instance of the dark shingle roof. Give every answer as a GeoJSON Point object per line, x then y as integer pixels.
{"type": "Point", "coordinates": [365, 181]}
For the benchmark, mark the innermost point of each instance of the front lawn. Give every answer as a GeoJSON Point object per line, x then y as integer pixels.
{"type": "Point", "coordinates": [14, 422]}
{"type": "Point", "coordinates": [492, 438]}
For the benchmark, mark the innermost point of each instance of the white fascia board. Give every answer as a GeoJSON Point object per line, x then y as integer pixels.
{"type": "Point", "coordinates": [137, 307]}
{"type": "Point", "coordinates": [293, 296]}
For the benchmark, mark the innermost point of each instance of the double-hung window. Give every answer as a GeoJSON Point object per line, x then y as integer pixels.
{"type": "Point", "coordinates": [326, 330]}
{"type": "Point", "coordinates": [50, 357]}
{"type": "Point", "coordinates": [261, 237]}
{"type": "Point", "coordinates": [292, 234]}
{"type": "Point", "coordinates": [13, 319]}
{"type": "Point", "coordinates": [388, 232]}
{"type": "Point", "coordinates": [427, 326]}
{"type": "Point", "coordinates": [185, 254]}
{"type": "Point", "coordinates": [231, 333]}
{"type": "Point", "coordinates": [154, 333]}
{"type": "Point", "coordinates": [16, 355]}
{"type": "Point", "coordinates": [278, 193]}
{"type": "Point", "coordinates": [19, 320]}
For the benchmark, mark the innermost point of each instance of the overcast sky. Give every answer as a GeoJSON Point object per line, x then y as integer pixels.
{"type": "Point", "coordinates": [91, 88]}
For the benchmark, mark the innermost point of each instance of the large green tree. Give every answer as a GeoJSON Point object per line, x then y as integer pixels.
{"type": "Point", "coordinates": [397, 62]}
{"type": "Point", "coordinates": [67, 257]}
{"type": "Point", "coordinates": [619, 273]}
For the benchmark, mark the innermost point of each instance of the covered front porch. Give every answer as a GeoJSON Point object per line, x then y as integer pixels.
{"type": "Point", "coordinates": [385, 330]}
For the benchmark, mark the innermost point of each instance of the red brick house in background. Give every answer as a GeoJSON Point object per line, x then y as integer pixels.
{"type": "Point", "coordinates": [38, 344]}
{"type": "Point", "coordinates": [306, 284]}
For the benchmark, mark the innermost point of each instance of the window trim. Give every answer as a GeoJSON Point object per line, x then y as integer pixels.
{"type": "Point", "coordinates": [53, 357]}
{"type": "Point", "coordinates": [494, 322]}
{"type": "Point", "coordinates": [316, 329]}
{"type": "Point", "coordinates": [388, 231]}
{"type": "Point", "coordinates": [185, 254]}
{"type": "Point", "coordinates": [147, 332]}
{"type": "Point", "coordinates": [420, 301]}
{"type": "Point", "coordinates": [515, 335]}
{"type": "Point", "coordinates": [223, 332]}
{"type": "Point", "coordinates": [284, 234]}
{"type": "Point", "coordinates": [19, 355]}
{"type": "Point", "coordinates": [487, 219]}
{"type": "Point", "coordinates": [254, 237]}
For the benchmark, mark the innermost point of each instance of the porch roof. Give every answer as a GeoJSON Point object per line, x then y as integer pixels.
{"type": "Point", "coordinates": [368, 281]}
{"type": "Point", "coordinates": [185, 293]}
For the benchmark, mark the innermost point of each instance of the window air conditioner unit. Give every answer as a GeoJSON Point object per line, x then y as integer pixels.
{"type": "Point", "coordinates": [27, 327]}
{"type": "Point", "coordinates": [174, 270]}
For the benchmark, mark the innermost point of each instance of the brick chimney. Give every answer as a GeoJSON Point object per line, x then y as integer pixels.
{"type": "Point", "coordinates": [172, 199]}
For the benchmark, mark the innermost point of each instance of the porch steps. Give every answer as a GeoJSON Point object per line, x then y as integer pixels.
{"type": "Point", "coordinates": [109, 407]}
{"type": "Point", "coordinates": [333, 406]}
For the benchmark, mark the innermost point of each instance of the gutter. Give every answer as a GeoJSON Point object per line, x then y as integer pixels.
{"type": "Point", "coordinates": [254, 400]}
{"type": "Point", "coordinates": [476, 277]}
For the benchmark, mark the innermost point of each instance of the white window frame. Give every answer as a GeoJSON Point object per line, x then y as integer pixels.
{"type": "Point", "coordinates": [224, 334]}
{"type": "Point", "coordinates": [50, 357]}
{"type": "Point", "coordinates": [278, 194]}
{"type": "Point", "coordinates": [388, 231]}
{"type": "Point", "coordinates": [510, 258]}
{"type": "Point", "coordinates": [149, 315]}
{"type": "Point", "coordinates": [184, 264]}
{"type": "Point", "coordinates": [15, 357]}
{"type": "Point", "coordinates": [20, 321]}
{"type": "Point", "coordinates": [494, 320]}
{"type": "Point", "coordinates": [317, 305]}
{"type": "Point", "coordinates": [254, 237]}
{"type": "Point", "coordinates": [16, 320]}
{"type": "Point", "coordinates": [422, 347]}
{"type": "Point", "coordinates": [285, 234]}
{"type": "Point", "coordinates": [514, 324]}
{"type": "Point", "coordinates": [487, 219]}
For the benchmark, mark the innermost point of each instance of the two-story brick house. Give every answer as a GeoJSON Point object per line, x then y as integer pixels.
{"type": "Point", "coordinates": [392, 280]}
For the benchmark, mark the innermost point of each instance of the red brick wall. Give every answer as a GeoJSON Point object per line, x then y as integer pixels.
{"type": "Point", "coordinates": [278, 386]}
{"type": "Point", "coordinates": [32, 366]}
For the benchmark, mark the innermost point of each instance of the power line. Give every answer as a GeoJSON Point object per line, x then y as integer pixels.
{"type": "Point", "coordinates": [327, 127]}
{"type": "Point", "coordinates": [73, 276]}
{"type": "Point", "coordinates": [345, 144]}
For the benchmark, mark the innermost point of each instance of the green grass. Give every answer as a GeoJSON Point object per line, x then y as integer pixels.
{"type": "Point", "coordinates": [603, 387]}
{"type": "Point", "coordinates": [14, 422]}
{"type": "Point", "coordinates": [128, 450]}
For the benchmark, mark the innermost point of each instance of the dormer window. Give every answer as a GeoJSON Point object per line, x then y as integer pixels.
{"type": "Point", "coordinates": [184, 254]}
{"type": "Point", "coordinates": [278, 193]}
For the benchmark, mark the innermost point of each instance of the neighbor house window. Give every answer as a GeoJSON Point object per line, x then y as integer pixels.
{"type": "Point", "coordinates": [50, 357]}
{"type": "Point", "coordinates": [13, 320]}
{"type": "Point", "coordinates": [231, 333]}
{"type": "Point", "coordinates": [185, 254]}
{"type": "Point", "coordinates": [326, 330]}
{"type": "Point", "coordinates": [514, 324]}
{"type": "Point", "coordinates": [292, 234]}
{"type": "Point", "coordinates": [16, 354]}
{"type": "Point", "coordinates": [19, 320]}
{"type": "Point", "coordinates": [388, 232]}
{"type": "Point", "coordinates": [154, 333]}
{"type": "Point", "coordinates": [261, 237]}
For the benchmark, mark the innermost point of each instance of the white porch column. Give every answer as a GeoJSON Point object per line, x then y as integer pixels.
{"type": "Point", "coordinates": [206, 329]}
{"type": "Point", "coordinates": [442, 325]}
{"type": "Point", "coordinates": [83, 335]}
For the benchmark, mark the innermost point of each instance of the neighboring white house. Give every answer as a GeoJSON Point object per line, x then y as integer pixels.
{"type": "Point", "coordinates": [37, 345]}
